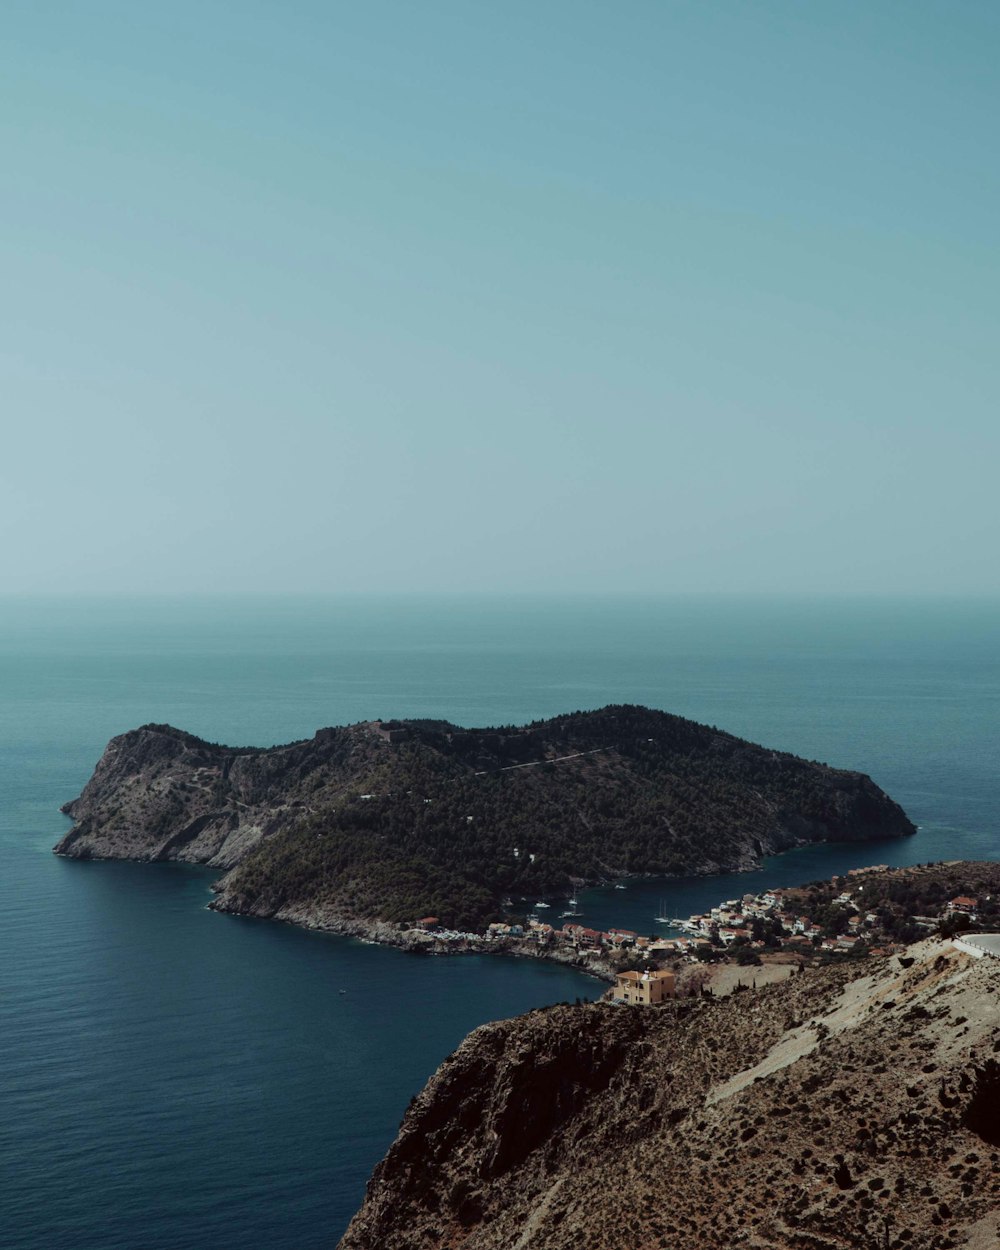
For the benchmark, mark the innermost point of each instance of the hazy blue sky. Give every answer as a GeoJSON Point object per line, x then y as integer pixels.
{"type": "Point", "coordinates": [393, 295]}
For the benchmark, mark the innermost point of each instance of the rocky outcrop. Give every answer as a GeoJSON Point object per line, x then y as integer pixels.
{"type": "Point", "coordinates": [161, 794]}
{"type": "Point", "coordinates": [846, 1107]}
{"type": "Point", "coordinates": [395, 820]}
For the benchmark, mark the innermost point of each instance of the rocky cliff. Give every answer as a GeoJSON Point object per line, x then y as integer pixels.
{"type": "Point", "coordinates": [159, 793]}
{"type": "Point", "coordinates": [848, 1107]}
{"type": "Point", "coordinates": [395, 820]}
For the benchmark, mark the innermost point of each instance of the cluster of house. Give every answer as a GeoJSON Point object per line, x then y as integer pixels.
{"type": "Point", "coordinates": [961, 905]}
{"type": "Point", "coordinates": [578, 934]}
{"type": "Point", "coordinates": [734, 920]}
{"type": "Point", "coordinates": [582, 938]}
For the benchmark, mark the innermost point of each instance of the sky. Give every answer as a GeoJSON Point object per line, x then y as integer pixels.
{"type": "Point", "coordinates": [652, 297]}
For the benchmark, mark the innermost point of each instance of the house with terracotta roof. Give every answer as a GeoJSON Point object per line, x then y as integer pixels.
{"type": "Point", "coordinates": [643, 989]}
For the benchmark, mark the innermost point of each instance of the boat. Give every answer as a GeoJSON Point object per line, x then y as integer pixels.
{"type": "Point", "coordinates": [564, 914]}
{"type": "Point", "coordinates": [663, 918]}
{"type": "Point", "coordinates": [619, 887]}
{"type": "Point", "coordinates": [542, 904]}
{"type": "Point", "coordinates": [572, 901]}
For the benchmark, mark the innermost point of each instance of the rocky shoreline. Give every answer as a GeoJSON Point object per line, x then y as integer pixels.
{"type": "Point", "coordinates": [417, 941]}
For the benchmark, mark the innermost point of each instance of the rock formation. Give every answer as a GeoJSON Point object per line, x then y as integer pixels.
{"type": "Point", "coordinates": [851, 1106]}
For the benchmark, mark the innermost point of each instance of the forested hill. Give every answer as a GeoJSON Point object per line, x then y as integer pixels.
{"type": "Point", "coordinates": [400, 819]}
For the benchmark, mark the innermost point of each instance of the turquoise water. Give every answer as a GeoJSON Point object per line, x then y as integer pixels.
{"type": "Point", "coordinates": [173, 1078]}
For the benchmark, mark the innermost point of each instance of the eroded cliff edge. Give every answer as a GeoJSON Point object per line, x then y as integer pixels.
{"type": "Point", "coordinates": [851, 1106]}
{"type": "Point", "coordinates": [392, 820]}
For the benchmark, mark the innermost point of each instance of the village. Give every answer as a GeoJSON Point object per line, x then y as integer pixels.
{"type": "Point", "coordinates": [782, 928]}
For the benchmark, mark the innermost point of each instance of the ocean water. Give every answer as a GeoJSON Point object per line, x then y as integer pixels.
{"type": "Point", "coordinates": [174, 1078]}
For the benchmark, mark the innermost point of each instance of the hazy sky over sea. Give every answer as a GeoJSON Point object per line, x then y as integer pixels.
{"type": "Point", "coordinates": [554, 295]}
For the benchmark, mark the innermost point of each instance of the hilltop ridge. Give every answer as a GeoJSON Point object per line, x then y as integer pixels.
{"type": "Point", "coordinates": [392, 820]}
{"type": "Point", "coordinates": [853, 1105]}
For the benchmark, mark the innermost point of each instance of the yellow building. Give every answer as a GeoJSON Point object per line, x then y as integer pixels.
{"type": "Point", "coordinates": [644, 989]}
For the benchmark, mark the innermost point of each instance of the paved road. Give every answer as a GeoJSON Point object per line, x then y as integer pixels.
{"type": "Point", "coordinates": [988, 943]}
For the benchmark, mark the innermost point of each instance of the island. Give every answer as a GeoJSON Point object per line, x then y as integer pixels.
{"type": "Point", "coordinates": [391, 828]}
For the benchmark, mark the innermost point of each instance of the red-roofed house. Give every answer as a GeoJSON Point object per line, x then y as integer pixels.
{"type": "Point", "coordinates": [643, 989]}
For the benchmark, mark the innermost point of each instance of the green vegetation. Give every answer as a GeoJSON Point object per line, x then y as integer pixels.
{"type": "Point", "coordinates": [907, 902]}
{"type": "Point", "coordinates": [424, 818]}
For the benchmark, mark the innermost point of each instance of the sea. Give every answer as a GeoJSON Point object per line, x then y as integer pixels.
{"type": "Point", "coordinates": [172, 1078]}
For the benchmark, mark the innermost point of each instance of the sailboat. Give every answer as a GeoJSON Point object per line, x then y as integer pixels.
{"type": "Point", "coordinates": [663, 918]}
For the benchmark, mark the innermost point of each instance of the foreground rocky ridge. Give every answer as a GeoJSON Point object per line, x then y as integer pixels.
{"type": "Point", "coordinates": [393, 820]}
{"type": "Point", "coordinates": [850, 1106]}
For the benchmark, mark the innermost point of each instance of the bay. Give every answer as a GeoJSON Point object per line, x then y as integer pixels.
{"type": "Point", "coordinates": [170, 1077]}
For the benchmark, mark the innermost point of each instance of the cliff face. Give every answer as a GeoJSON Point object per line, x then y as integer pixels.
{"type": "Point", "coordinates": [843, 1108]}
{"type": "Point", "coordinates": [159, 793]}
{"type": "Point", "coordinates": [395, 820]}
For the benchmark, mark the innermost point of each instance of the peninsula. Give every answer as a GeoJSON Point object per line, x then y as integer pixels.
{"type": "Point", "coordinates": [369, 828]}
{"type": "Point", "coordinates": [856, 1104]}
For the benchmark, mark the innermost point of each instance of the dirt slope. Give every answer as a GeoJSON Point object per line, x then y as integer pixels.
{"type": "Point", "coordinates": [845, 1108]}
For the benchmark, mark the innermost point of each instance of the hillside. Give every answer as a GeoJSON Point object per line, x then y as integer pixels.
{"type": "Point", "coordinates": [393, 820]}
{"type": "Point", "coordinates": [905, 902]}
{"type": "Point", "coordinates": [847, 1107]}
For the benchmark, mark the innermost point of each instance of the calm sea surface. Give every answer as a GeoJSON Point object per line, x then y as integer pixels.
{"type": "Point", "coordinates": [174, 1078]}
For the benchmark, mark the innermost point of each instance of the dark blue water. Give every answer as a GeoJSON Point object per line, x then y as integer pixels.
{"type": "Point", "coordinates": [174, 1078]}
